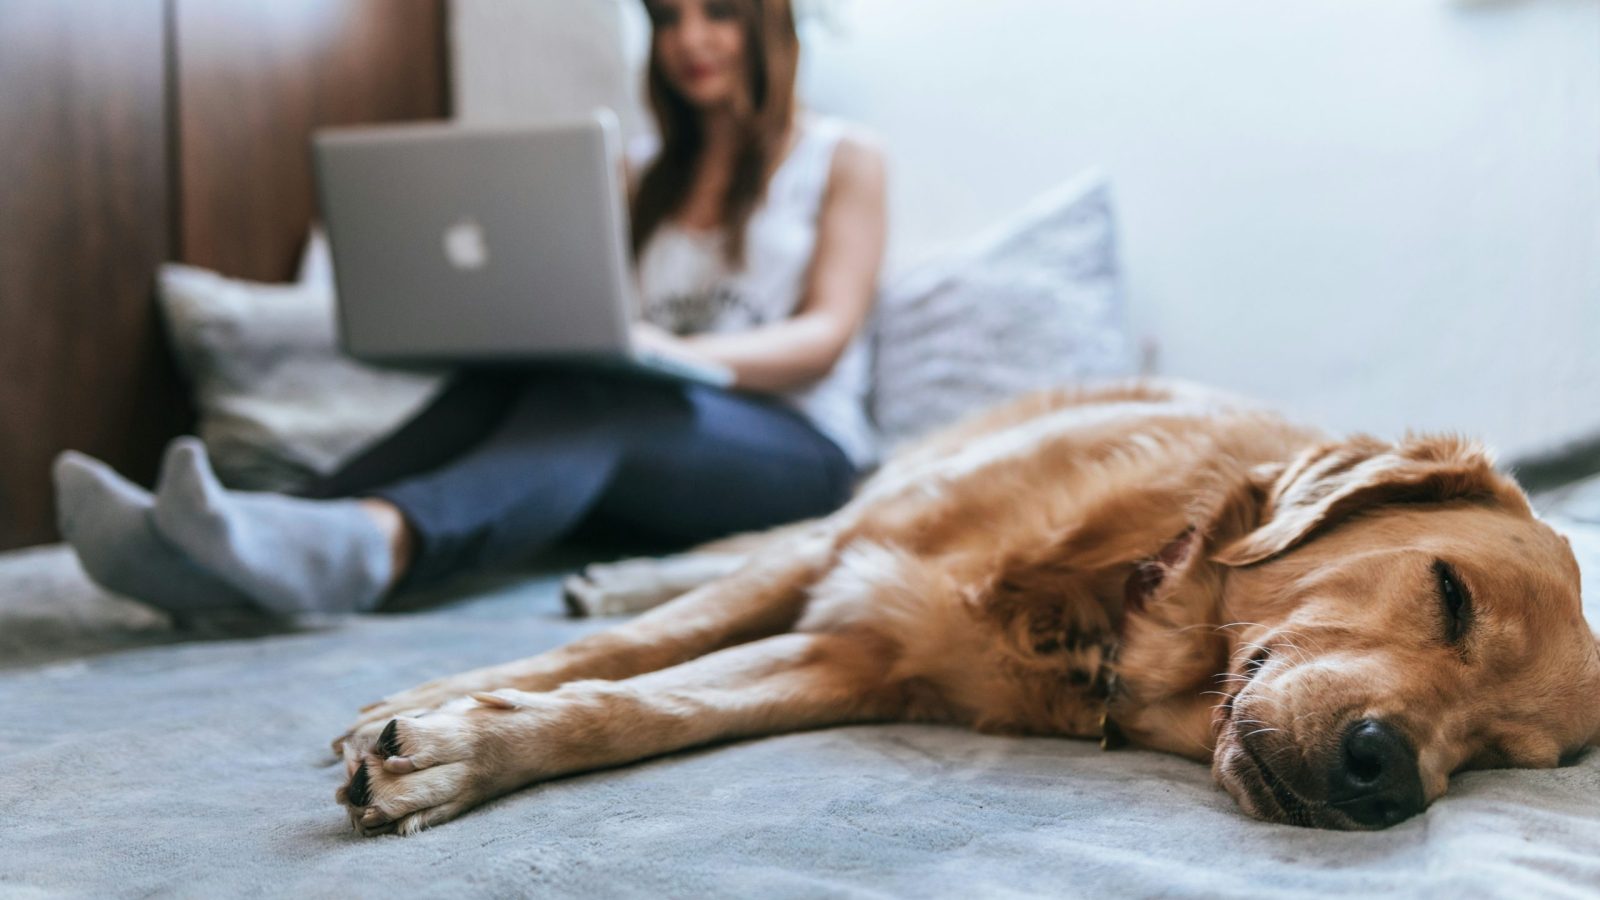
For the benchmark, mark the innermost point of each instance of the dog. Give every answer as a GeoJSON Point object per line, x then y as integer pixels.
{"type": "Point", "coordinates": [1335, 626]}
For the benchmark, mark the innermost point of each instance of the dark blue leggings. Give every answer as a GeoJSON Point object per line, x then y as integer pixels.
{"type": "Point", "coordinates": [500, 465]}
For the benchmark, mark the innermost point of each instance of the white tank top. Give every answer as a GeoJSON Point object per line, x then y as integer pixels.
{"type": "Point", "coordinates": [687, 286]}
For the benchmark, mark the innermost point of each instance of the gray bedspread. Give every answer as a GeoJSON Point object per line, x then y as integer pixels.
{"type": "Point", "coordinates": [199, 768]}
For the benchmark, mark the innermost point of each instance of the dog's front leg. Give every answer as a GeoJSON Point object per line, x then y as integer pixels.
{"type": "Point", "coordinates": [763, 598]}
{"type": "Point", "coordinates": [429, 769]}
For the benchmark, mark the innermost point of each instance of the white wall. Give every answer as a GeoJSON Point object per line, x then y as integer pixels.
{"type": "Point", "coordinates": [1379, 214]}
{"type": "Point", "coordinates": [521, 60]}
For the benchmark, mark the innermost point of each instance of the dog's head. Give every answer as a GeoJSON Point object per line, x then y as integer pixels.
{"type": "Point", "coordinates": [1397, 615]}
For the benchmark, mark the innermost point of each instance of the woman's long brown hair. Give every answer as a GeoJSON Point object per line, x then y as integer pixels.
{"type": "Point", "coordinates": [772, 54]}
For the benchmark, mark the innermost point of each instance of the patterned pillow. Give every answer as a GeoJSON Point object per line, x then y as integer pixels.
{"type": "Point", "coordinates": [279, 404]}
{"type": "Point", "coordinates": [1036, 303]}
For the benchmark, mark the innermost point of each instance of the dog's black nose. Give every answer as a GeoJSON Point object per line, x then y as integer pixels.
{"type": "Point", "coordinates": [1376, 781]}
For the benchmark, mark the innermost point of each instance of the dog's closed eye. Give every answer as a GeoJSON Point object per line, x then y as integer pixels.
{"type": "Point", "coordinates": [1457, 602]}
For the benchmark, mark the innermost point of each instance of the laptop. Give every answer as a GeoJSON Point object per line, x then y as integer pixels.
{"type": "Point", "coordinates": [485, 245]}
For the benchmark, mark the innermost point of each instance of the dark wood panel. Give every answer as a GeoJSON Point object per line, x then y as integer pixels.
{"type": "Point", "coordinates": [83, 224]}
{"type": "Point", "coordinates": [255, 77]}
{"type": "Point", "coordinates": [135, 131]}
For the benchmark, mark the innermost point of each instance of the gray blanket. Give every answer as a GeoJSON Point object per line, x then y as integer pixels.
{"type": "Point", "coordinates": [200, 768]}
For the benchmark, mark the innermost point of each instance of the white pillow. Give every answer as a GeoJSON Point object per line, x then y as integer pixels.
{"type": "Point", "coordinates": [279, 404]}
{"type": "Point", "coordinates": [1036, 303]}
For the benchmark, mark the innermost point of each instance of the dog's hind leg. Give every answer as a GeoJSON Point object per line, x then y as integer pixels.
{"type": "Point", "coordinates": [432, 768]}
{"type": "Point", "coordinates": [763, 598]}
{"type": "Point", "coordinates": [635, 585]}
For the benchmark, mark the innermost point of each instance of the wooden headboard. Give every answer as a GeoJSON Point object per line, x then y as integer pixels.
{"type": "Point", "coordinates": [138, 131]}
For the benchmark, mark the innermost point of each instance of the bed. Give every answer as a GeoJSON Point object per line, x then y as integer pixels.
{"type": "Point", "coordinates": [137, 760]}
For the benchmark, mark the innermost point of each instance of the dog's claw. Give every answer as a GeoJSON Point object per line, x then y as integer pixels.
{"type": "Point", "coordinates": [359, 792]}
{"type": "Point", "coordinates": [389, 740]}
{"type": "Point", "coordinates": [375, 830]}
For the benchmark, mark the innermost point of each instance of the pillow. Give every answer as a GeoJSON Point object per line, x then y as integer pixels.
{"type": "Point", "coordinates": [279, 404]}
{"type": "Point", "coordinates": [1036, 303]}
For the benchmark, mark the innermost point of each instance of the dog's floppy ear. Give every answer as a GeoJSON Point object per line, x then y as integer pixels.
{"type": "Point", "coordinates": [1328, 482]}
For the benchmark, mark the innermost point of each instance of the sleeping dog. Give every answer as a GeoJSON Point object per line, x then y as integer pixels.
{"type": "Point", "coordinates": [1334, 626]}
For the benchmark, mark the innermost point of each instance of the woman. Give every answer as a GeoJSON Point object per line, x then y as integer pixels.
{"type": "Point", "coordinates": [758, 234]}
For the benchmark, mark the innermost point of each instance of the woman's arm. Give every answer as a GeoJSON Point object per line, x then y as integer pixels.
{"type": "Point", "coordinates": [843, 280]}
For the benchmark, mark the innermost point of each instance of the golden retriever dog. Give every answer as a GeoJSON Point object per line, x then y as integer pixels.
{"type": "Point", "coordinates": [1334, 626]}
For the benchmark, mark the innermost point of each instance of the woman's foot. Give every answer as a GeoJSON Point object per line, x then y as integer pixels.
{"type": "Point", "coordinates": [291, 555]}
{"type": "Point", "coordinates": [107, 520]}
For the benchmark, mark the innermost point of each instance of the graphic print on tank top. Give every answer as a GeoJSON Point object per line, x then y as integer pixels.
{"type": "Point", "coordinates": [718, 306]}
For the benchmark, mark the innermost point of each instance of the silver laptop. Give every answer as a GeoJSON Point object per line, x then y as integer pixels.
{"type": "Point", "coordinates": [459, 244]}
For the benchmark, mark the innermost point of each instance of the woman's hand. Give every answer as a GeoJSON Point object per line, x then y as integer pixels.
{"type": "Point", "coordinates": [651, 339]}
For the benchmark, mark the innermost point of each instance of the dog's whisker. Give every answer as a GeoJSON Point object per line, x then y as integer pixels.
{"type": "Point", "coordinates": [1287, 751]}
{"type": "Point", "coordinates": [1316, 644]}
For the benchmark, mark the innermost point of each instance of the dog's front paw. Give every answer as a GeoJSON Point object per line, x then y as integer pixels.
{"type": "Point", "coordinates": [411, 773]}
{"type": "Point", "coordinates": [409, 704]}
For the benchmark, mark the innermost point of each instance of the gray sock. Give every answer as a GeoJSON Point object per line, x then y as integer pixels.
{"type": "Point", "coordinates": [292, 555]}
{"type": "Point", "coordinates": [107, 520]}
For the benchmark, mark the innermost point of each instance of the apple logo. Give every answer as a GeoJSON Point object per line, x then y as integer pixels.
{"type": "Point", "coordinates": [465, 245]}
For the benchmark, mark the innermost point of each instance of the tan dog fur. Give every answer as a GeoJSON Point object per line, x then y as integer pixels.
{"type": "Point", "coordinates": [1260, 586]}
